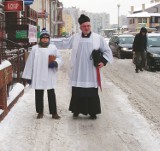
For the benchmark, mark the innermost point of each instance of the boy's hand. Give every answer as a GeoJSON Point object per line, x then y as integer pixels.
{"type": "Point", "coordinates": [53, 64]}
{"type": "Point", "coordinates": [29, 81]}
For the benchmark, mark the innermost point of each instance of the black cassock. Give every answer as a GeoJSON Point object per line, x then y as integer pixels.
{"type": "Point", "coordinates": [85, 101]}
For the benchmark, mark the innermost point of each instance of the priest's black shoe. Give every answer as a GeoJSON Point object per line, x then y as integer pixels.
{"type": "Point", "coordinates": [75, 115]}
{"type": "Point", "coordinates": [93, 117]}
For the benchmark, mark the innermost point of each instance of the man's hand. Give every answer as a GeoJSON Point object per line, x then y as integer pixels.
{"type": "Point", "coordinates": [100, 65]}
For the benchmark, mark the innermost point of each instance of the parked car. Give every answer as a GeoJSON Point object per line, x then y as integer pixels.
{"type": "Point", "coordinates": [121, 45]}
{"type": "Point", "coordinates": [106, 39]}
{"type": "Point", "coordinates": [153, 52]}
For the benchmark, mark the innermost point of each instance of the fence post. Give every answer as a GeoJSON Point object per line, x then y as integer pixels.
{"type": "Point", "coordinates": [18, 66]}
{"type": "Point", "coordinates": [24, 62]}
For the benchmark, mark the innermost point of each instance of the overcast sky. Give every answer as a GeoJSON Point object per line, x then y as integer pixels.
{"type": "Point", "coordinates": [107, 6]}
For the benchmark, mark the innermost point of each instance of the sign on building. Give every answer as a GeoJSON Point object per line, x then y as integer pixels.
{"type": "Point", "coordinates": [13, 6]}
{"type": "Point", "coordinates": [21, 34]}
{"type": "Point", "coordinates": [32, 33]}
{"type": "Point", "coordinates": [42, 15]}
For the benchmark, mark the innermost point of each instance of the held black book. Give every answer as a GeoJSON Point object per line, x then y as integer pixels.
{"type": "Point", "coordinates": [97, 56]}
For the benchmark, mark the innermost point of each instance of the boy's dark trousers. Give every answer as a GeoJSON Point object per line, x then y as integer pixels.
{"type": "Point", "coordinates": [39, 94]}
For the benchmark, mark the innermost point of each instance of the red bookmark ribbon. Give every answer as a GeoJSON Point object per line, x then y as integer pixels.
{"type": "Point", "coordinates": [99, 78]}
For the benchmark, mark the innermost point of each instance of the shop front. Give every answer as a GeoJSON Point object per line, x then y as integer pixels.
{"type": "Point", "coordinates": [21, 23]}
{"type": "Point", "coordinates": [2, 25]}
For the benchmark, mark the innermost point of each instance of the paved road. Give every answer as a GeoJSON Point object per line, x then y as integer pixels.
{"type": "Point", "coordinates": [122, 126]}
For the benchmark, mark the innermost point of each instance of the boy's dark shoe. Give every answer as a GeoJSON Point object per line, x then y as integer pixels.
{"type": "Point", "coordinates": [141, 69]}
{"type": "Point", "coordinates": [55, 116]}
{"type": "Point", "coordinates": [40, 115]}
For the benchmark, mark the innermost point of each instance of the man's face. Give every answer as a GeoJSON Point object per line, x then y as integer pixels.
{"type": "Point", "coordinates": [85, 27]}
{"type": "Point", "coordinates": [143, 33]}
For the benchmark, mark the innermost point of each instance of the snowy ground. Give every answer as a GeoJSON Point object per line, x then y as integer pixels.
{"type": "Point", "coordinates": [120, 127]}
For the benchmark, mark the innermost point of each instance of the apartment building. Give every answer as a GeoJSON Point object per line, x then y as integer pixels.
{"type": "Point", "coordinates": [99, 21]}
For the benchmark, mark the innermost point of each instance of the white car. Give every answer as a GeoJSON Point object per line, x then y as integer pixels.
{"type": "Point", "coordinates": [107, 40]}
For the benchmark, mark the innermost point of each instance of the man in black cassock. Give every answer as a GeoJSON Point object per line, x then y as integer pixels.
{"type": "Point", "coordinates": [83, 75]}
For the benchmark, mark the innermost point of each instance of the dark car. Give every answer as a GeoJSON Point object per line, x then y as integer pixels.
{"type": "Point", "coordinates": [121, 45]}
{"type": "Point", "coordinates": [153, 52]}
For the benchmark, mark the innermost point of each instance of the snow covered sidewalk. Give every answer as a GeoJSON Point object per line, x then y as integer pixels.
{"type": "Point", "coordinates": [118, 128]}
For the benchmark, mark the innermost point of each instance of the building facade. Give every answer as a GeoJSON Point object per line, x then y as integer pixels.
{"type": "Point", "coordinates": [2, 25]}
{"type": "Point", "coordinates": [148, 16]}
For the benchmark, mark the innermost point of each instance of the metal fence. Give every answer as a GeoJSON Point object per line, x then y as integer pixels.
{"type": "Point", "coordinates": [17, 58]}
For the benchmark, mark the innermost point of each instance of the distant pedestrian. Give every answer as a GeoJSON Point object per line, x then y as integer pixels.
{"type": "Point", "coordinates": [139, 48]}
{"type": "Point", "coordinates": [40, 72]}
{"type": "Point", "coordinates": [86, 62]}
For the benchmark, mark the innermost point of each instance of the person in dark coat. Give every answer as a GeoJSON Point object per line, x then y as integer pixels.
{"type": "Point", "coordinates": [139, 47]}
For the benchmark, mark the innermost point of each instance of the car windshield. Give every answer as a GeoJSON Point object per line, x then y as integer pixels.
{"type": "Point", "coordinates": [154, 41]}
{"type": "Point", "coordinates": [126, 40]}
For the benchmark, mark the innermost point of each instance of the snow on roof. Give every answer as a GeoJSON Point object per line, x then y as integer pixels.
{"type": "Point", "coordinates": [155, 14]}
{"type": "Point", "coordinates": [143, 14]}
{"type": "Point", "coordinates": [149, 5]}
{"type": "Point", "coordinates": [4, 64]}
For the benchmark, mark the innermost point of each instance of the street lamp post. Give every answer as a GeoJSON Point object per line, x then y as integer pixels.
{"type": "Point", "coordinates": [118, 5]}
{"type": "Point", "coordinates": [52, 16]}
{"type": "Point", "coordinates": [54, 20]}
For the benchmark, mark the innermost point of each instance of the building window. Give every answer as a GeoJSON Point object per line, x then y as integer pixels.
{"type": "Point", "coordinates": [131, 21]}
{"type": "Point", "coordinates": [142, 20]}
{"type": "Point", "coordinates": [156, 19]}
{"type": "Point", "coordinates": [152, 19]}
{"type": "Point", "coordinates": [139, 20]}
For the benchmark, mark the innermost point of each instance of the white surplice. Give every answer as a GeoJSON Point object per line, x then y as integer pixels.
{"type": "Point", "coordinates": [37, 70]}
{"type": "Point", "coordinates": [83, 73]}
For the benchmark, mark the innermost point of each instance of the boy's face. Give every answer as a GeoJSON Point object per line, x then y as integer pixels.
{"type": "Point", "coordinates": [44, 39]}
